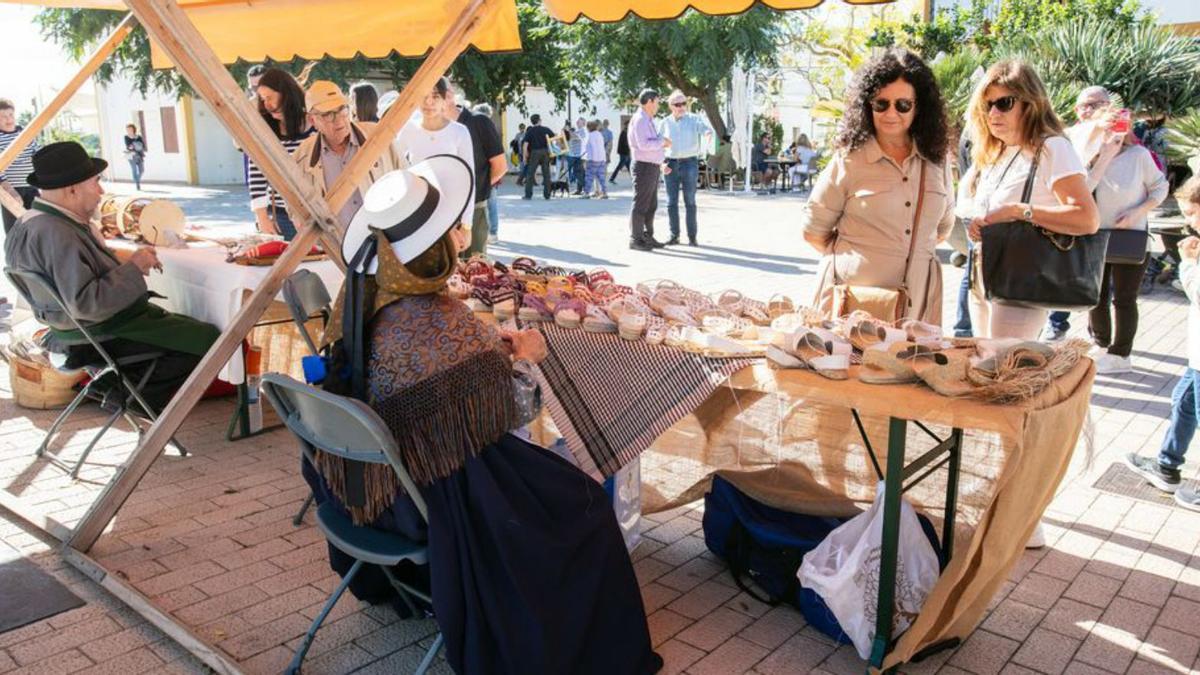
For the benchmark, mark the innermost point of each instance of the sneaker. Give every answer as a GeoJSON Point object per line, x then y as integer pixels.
{"type": "Point", "coordinates": [492, 239]}
{"type": "Point", "coordinates": [1188, 497]}
{"type": "Point", "coordinates": [1156, 474]}
{"type": "Point", "coordinates": [1111, 364]}
{"type": "Point", "coordinates": [1052, 334]}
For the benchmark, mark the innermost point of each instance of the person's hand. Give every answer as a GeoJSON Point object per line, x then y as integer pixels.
{"type": "Point", "coordinates": [528, 344]}
{"type": "Point", "coordinates": [975, 229]}
{"type": "Point", "coordinates": [666, 142]}
{"type": "Point", "coordinates": [145, 259]}
{"type": "Point", "coordinates": [1189, 249]}
{"type": "Point", "coordinates": [265, 224]}
{"type": "Point", "coordinates": [666, 169]}
{"type": "Point", "coordinates": [1003, 214]}
{"type": "Point", "coordinates": [1125, 220]}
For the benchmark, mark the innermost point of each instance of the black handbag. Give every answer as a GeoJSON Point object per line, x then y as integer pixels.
{"type": "Point", "coordinates": [1028, 266]}
{"type": "Point", "coordinates": [1127, 247]}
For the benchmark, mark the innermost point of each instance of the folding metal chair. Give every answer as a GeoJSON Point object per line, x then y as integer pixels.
{"type": "Point", "coordinates": [349, 429]}
{"type": "Point", "coordinates": [42, 297]}
{"type": "Point", "coordinates": [306, 298]}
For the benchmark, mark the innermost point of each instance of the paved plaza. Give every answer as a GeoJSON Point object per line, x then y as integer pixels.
{"type": "Point", "coordinates": [209, 538]}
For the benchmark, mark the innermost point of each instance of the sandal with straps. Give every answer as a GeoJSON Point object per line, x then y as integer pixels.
{"type": "Point", "coordinates": [756, 311]}
{"type": "Point", "coordinates": [596, 321]}
{"type": "Point", "coordinates": [945, 372]}
{"type": "Point", "coordinates": [568, 313]}
{"type": "Point", "coordinates": [526, 265]}
{"type": "Point", "coordinates": [868, 334]}
{"type": "Point", "coordinates": [632, 324]}
{"type": "Point", "coordinates": [731, 301]}
{"type": "Point", "coordinates": [891, 363]}
{"type": "Point", "coordinates": [779, 305]}
{"type": "Point", "coordinates": [822, 351]}
{"type": "Point", "coordinates": [534, 308]}
{"type": "Point", "coordinates": [598, 276]}
{"type": "Point", "coordinates": [656, 330]}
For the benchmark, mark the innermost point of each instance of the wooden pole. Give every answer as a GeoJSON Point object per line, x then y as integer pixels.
{"type": "Point", "coordinates": [176, 34]}
{"type": "Point", "coordinates": [86, 70]}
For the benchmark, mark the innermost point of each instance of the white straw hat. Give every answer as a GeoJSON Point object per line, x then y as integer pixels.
{"type": "Point", "coordinates": [413, 207]}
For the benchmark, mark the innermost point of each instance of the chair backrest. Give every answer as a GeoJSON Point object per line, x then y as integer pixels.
{"type": "Point", "coordinates": [43, 298]}
{"type": "Point", "coordinates": [306, 295]}
{"type": "Point", "coordinates": [338, 425]}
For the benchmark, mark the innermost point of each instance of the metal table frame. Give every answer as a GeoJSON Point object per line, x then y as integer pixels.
{"type": "Point", "coordinates": [945, 452]}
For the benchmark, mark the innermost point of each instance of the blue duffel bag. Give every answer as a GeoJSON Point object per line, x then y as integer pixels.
{"type": "Point", "coordinates": [765, 545]}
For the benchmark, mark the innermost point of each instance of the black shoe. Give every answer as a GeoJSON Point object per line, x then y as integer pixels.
{"type": "Point", "coordinates": [527, 197]}
{"type": "Point", "coordinates": [1188, 497]}
{"type": "Point", "coordinates": [673, 241]}
{"type": "Point", "coordinates": [640, 245]}
{"type": "Point", "coordinates": [577, 192]}
{"type": "Point", "coordinates": [1156, 474]}
{"type": "Point", "coordinates": [654, 243]}
{"type": "Point", "coordinates": [692, 242]}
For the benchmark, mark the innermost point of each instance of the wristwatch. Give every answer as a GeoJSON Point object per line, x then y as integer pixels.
{"type": "Point", "coordinates": [1026, 211]}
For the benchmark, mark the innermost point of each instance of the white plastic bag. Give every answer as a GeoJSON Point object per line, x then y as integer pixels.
{"type": "Point", "coordinates": [844, 571]}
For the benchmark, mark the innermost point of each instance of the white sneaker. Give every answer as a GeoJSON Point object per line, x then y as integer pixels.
{"type": "Point", "coordinates": [492, 239]}
{"type": "Point", "coordinates": [1111, 364]}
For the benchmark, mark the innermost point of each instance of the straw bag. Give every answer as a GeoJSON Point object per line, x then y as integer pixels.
{"type": "Point", "coordinates": [885, 304]}
{"type": "Point", "coordinates": [39, 385]}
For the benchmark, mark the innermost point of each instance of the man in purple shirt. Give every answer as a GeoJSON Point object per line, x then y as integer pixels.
{"type": "Point", "coordinates": [647, 146]}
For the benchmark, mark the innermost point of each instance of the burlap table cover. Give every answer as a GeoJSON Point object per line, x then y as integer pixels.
{"type": "Point", "coordinates": [787, 438]}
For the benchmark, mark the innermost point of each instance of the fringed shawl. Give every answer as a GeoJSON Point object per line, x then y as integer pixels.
{"type": "Point", "coordinates": [438, 377]}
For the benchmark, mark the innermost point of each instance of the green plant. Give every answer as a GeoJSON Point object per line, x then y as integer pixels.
{"type": "Point", "coordinates": [1183, 137]}
{"type": "Point", "coordinates": [955, 75]}
{"type": "Point", "coordinates": [771, 127]}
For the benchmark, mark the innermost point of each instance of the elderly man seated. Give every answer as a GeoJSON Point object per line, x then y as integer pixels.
{"type": "Point", "coordinates": [103, 289]}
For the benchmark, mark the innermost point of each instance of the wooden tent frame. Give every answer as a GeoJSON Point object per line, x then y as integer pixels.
{"type": "Point", "coordinates": [170, 27]}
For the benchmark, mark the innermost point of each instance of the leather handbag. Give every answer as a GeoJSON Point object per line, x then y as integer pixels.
{"type": "Point", "coordinates": [1127, 247]}
{"type": "Point", "coordinates": [1025, 265]}
{"type": "Point", "coordinates": [885, 304]}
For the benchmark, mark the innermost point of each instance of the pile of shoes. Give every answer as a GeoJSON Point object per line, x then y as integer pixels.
{"type": "Point", "coordinates": [657, 312]}
{"type": "Point", "coordinates": [910, 351]}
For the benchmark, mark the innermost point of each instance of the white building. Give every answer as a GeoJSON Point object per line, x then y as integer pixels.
{"type": "Point", "coordinates": [185, 143]}
{"type": "Point", "coordinates": [539, 102]}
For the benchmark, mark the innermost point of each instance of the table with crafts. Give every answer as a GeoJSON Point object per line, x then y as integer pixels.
{"type": "Point", "coordinates": [798, 441]}
{"type": "Point", "coordinates": [198, 282]}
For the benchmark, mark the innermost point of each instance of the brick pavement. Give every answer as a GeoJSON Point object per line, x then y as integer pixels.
{"type": "Point", "coordinates": [209, 537]}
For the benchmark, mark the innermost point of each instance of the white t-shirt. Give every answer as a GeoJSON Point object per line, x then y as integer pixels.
{"type": "Point", "coordinates": [415, 144]}
{"type": "Point", "coordinates": [1129, 180]}
{"type": "Point", "coordinates": [1004, 181]}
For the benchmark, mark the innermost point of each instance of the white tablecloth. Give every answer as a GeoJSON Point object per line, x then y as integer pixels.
{"type": "Point", "coordinates": [199, 283]}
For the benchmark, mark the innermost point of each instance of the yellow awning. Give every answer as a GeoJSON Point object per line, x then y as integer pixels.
{"type": "Point", "coordinates": [254, 30]}
{"type": "Point", "coordinates": [607, 11]}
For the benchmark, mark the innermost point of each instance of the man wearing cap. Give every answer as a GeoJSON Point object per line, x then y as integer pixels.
{"type": "Point", "coordinates": [688, 133]}
{"type": "Point", "coordinates": [103, 289]}
{"type": "Point", "coordinates": [324, 155]}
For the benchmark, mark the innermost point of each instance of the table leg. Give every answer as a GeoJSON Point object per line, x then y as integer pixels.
{"type": "Point", "coordinates": [893, 485]}
{"type": "Point", "coordinates": [952, 471]}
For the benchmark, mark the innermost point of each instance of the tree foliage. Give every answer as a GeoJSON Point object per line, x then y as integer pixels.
{"type": "Point", "coordinates": [694, 54]}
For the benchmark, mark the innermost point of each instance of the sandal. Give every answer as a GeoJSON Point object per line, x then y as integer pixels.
{"type": "Point", "coordinates": [598, 276]}
{"type": "Point", "coordinates": [920, 332]}
{"type": "Point", "coordinates": [945, 371]}
{"type": "Point", "coordinates": [869, 334]}
{"type": "Point", "coordinates": [596, 321]}
{"type": "Point", "coordinates": [891, 363]}
{"type": "Point", "coordinates": [656, 331]}
{"type": "Point", "coordinates": [822, 351]}
{"type": "Point", "coordinates": [731, 301]}
{"type": "Point", "coordinates": [478, 268]}
{"type": "Point", "coordinates": [632, 324]}
{"type": "Point", "coordinates": [526, 266]}
{"type": "Point", "coordinates": [756, 311]}
{"type": "Point", "coordinates": [534, 308]}
{"type": "Point", "coordinates": [777, 358]}
{"type": "Point", "coordinates": [568, 313]}
{"type": "Point", "coordinates": [779, 305]}
{"type": "Point", "coordinates": [458, 287]}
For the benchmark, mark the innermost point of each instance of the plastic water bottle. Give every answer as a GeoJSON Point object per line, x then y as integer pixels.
{"type": "Point", "coordinates": [253, 382]}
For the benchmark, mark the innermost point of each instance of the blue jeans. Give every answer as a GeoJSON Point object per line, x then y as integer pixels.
{"type": "Point", "coordinates": [1060, 321]}
{"type": "Point", "coordinates": [493, 213]}
{"type": "Point", "coordinates": [575, 172]}
{"type": "Point", "coordinates": [1184, 413]}
{"type": "Point", "coordinates": [962, 328]}
{"type": "Point", "coordinates": [684, 173]}
{"type": "Point", "coordinates": [137, 166]}
{"type": "Point", "coordinates": [595, 177]}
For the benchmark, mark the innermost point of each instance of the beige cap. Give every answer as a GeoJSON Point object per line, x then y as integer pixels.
{"type": "Point", "coordinates": [677, 97]}
{"type": "Point", "coordinates": [324, 96]}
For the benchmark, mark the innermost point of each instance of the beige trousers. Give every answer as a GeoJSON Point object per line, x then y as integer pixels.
{"type": "Point", "coordinates": [991, 320]}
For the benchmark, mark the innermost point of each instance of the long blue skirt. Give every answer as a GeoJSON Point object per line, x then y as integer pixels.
{"type": "Point", "coordinates": [527, 568]}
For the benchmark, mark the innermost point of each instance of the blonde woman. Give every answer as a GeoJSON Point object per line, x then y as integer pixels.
{"type": "Point", "coordinates": [1010, 118]}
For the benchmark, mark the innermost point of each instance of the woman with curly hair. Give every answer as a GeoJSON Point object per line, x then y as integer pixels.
{"type": "Point", "coordinates": [1012, 120]}
{"type": "Point", "coordinates": [885, 200]}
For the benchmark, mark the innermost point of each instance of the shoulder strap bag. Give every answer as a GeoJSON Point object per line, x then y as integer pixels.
{"type": "Point", "coordinates": [1025, 265]}
{"type": "Point", "coordinates": [886, 304]}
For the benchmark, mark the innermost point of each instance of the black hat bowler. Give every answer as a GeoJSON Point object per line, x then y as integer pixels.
{"type": "Point", "coordinates": [63, 164]}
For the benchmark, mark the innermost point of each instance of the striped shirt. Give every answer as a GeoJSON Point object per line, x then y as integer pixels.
{"type": "Point", "coordinates": [262, 195]}
{"type": "Point", "coordinates": [22, 166]}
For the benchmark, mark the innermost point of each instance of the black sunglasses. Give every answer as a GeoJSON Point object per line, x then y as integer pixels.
{"type": "Point", "coordinates": [1003, 104]}
{"type": "Point", "coordinates": [903, 105]}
